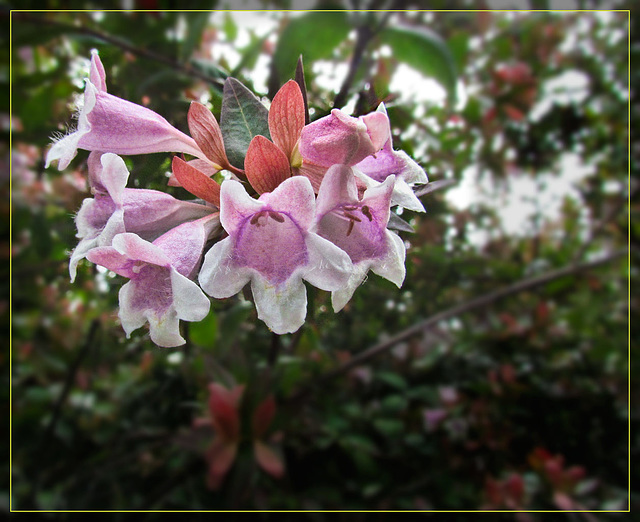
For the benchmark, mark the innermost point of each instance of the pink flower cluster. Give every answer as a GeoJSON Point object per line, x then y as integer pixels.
{"type": "Point", "coordinates": [312, 203]}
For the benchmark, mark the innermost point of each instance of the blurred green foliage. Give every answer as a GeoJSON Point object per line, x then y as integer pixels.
{"type": "Point", "coordinates": [522, 404]}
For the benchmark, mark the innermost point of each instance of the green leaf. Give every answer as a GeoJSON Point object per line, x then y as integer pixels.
{"type": "Point", "coordinates": [392, 379]}
{"type": "Point", "coordinates": [230, 28]}
{"type": "Point", "coordinates": [425, 51]}
{"type": "Point", "coordinates": [314, 34]}
{"type": "Point", "coordinates": [196, 24]}
{"type": "Point", "coordinates": [204, 333]}
{"type": "Point", "coordinates": [242, 117]}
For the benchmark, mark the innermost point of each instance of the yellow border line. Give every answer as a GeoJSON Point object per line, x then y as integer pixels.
{"type": "Point", "coordinates": [10, 262]}
{"type": "Point", "coordinates": [629, 252]}
{"type": "Point", "coordinates": [11, 510]}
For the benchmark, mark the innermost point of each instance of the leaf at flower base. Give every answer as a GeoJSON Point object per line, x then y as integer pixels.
{"type": "Point", "coordinates": [316, 33]}
{"type": "Point", "coordinates": [425, 51]}
{"type": "Point", "coordinates": [194, 181]}
{"type": "Point", "coordinates": [266, 166]}
{"type": "Point", "coordinates": [287, 117]}
{"type": "Point", "coordinates": [432, 186]}
{"type": "Point", "coordinates": [241, 119]}
{"type": "Point", "coordinates": [205, 130]}
{"type": "Point", "coordinates": [268, 460]}
{"type": "Point", "coordinates": [397, 223]}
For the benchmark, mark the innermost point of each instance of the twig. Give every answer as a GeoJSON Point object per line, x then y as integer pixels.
{"type": "Point", "coordinates": [274, 349]}
{"type": "Point", "coordinates": [144, 53]}
{"type": "Point", "coordinates": [478, 302]}
{"type": "Point", "coordinates": [49, 430]}
{"type": "Point", "coordinates": [364, 35]}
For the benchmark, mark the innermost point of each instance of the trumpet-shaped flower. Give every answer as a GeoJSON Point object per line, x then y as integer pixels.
{"type": "Point", "coordinates": [271, 245]}
{"type": "Point", "coordinates": [359, 227]}
{"type": "Point", "coordinates": [115, 209]}
{"type": "Point", "coordinates": [159, 291]}
{"type": "Point", "coordinates": [388, 162]}
{"type": "Point", "coordinates": [343, 139]}
{"type": "Point", "coordinates": [110, 124]}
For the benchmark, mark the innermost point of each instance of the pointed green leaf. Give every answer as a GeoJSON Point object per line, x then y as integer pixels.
{"type": "Point", "coordinates": [425, 51]}
{"type": "Point", "coordinates": [242, 117]}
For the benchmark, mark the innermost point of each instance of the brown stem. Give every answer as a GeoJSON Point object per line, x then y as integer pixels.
{"type": "Point", "coordinates": [476, 303]}
{"type": "Point", "coordinates": [137, 51]}
{"type": "Point", "coordinates": [274, 349]}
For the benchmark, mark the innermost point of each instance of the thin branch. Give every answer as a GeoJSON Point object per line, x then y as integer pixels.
{"type": "Point", "coordinates": [274, 350]}
{"type": "Point", "coordinates": [137, 51]}
{"type": "Point", "coordinates": [71, 374]}
{"type": "Point", "coordinates": [364, 35]}
{"type": "Point", "coordinates": [478, 302]}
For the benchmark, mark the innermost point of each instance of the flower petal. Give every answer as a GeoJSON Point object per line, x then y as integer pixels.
{"type": "Point", "coordinates": [286, 117]}
{"type": "Point", "coordinates": [184, 244]}
{"type": "Point", "coordinates": [295, 197]}
{"type": "Point", "coordinates": [113, 176]}
{"type": "Point", "coordinates": [97, 75]}
{"type": "Point", "coordinates": [268, 460]}
{"type": "Point", "coordinates": [122, 127]}
{"type": "Point", "coordinates": [338, 186]}
{"type": "Point", "coordinates": [236, 206]}
{"type": "Point", "coordinates": [164, 329]}
{"type": "Point", "coordinates": [131, 317]}
{"type": "Point", "coordinates": [329, 267]}
{"type": "Point", "coordinates": [266, 166]}
{"type": "Point", "coordinates": [65, 149]}
{"type": "Point", "coordinates": [340, 297]}
{"type": "Point", "coordinates": [283, 307]}
{"type": "Point", "coordinates": [189, 301]}
{"type": "Point", "coordinates": [218, 276]}
{"type": "Point", "coordinates": [137, 249]}
{"type": "Point", "coordinates": [150, 213]}
{"type": "Point", "coordinates": [391, 267]}
{"type": "Point", "coordinates": [220, 456]}
{"type": "Point", "coordinates": [111, 259]}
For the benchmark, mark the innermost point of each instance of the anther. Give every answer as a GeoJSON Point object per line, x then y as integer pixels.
{"type": "Point", "coordinates": [276, 217]}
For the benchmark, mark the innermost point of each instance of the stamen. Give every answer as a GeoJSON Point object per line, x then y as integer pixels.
{"type": "Point", "coordinates": [350, 229]}
{"type": "Point", "coordinates": [367, 212]}
{"type": "Point", "coordinates": [352, 217]}
{"type": "Point", "coordinates": [276, 216]}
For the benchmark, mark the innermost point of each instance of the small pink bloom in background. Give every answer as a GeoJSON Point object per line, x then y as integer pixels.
{"type": "Point", "coordinates": [224, 411]}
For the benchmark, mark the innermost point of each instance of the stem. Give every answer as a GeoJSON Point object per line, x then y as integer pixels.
{"type": "Point", "coordinates": [479, 302]}
{"type": "Point", "coordinates": [144, 53]}
{"type": "Point", "coordinates": [274, 349]}
{"type": "Point", "coordinates": [49, 430]}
